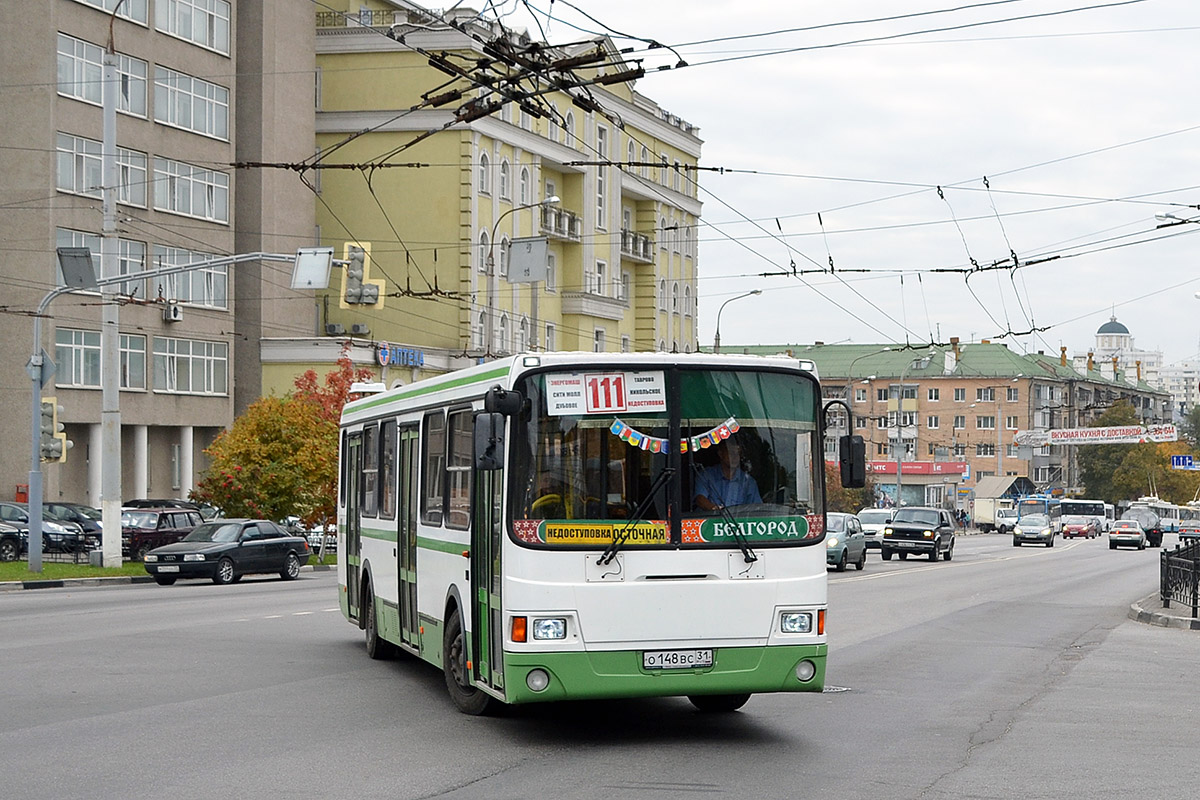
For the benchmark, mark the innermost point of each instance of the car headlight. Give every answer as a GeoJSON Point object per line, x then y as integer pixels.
{"type": "Point", "coordinates": [193, 556]}
{"type": "Point", "coordinates": [795, 622]}
{"type": "Point", "coordinates": [887, 531]}
{"type": "Point", "coordinates": [149, 557]}
{"type": "Point", "coordinates": [552, 628]}
{"type": "Point", "coordinates": [928, 534]}
{"type": "Point", "coordinates": [832, 541]}
{"type": "Point", "coordinates": [1045, 531]}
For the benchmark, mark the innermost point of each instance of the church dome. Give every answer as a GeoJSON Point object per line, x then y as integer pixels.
{"type": "Point", "coordinates": [1112, 326]}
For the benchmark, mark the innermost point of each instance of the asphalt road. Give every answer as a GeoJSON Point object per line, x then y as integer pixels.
{"type": "Point", "coordinates": [1007, 673]}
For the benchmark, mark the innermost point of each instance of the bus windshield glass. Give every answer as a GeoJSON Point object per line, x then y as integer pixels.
{"type": "Point", "coordinates": [592, 459]}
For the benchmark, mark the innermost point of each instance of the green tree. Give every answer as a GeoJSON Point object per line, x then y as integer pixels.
{"type": "Point", "coordinates": [1115, 472]}
{"type": "Point", "coordinates": [1190, 429]}
{"type": "Point", "coordinates": [1098, 463]}
{"type": "Point", "coordinates": [280, 456]}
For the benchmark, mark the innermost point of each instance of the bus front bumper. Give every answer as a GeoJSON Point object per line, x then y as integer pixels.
{"type": "Point", "coordinates": [613, 674]}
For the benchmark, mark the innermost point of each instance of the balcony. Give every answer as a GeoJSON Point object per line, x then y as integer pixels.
{"type": "Point", "coordinates": [593, 305]}
{"type": "Point", "coordinates": [558, 223]}
{"type": "Point", "coordinates": [637, 246]}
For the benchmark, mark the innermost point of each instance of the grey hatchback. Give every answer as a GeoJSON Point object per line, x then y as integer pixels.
{"type": "Point", "coordinates": [845, 542]}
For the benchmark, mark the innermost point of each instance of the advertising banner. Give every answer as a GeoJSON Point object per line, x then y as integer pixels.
{"type": "Point", "coordinates": [1119, 434]}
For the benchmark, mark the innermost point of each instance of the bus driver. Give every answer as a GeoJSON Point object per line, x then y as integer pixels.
{"type": "Point", "coordinates": [725, 483]}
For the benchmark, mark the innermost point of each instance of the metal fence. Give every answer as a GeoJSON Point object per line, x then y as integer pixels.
{"type": "Point", "coordinates": [1179, 576]}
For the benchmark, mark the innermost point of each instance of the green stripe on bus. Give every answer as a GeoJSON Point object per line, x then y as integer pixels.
{"type": "Point", "coordinates": [383, 536]}
{"type": "Point", "coordinates": [440, 546]}
{"type": "Point", "coordinates": [421, 388]}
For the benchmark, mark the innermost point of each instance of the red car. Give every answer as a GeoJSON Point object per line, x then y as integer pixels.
{"type": "Point", "coordinates": [1080, 526]}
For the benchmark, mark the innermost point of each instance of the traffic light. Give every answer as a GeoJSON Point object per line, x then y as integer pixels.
{"type": "Point", "coordinates": [54, 441]}
{"type": "Point", "coordinates": [357, 289]}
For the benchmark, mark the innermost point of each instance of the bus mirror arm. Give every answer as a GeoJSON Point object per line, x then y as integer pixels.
{"type": "Point", "coordinates": [489, 441]}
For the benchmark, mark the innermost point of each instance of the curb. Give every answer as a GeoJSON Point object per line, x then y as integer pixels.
{"type": "Point", "coordinates": [116, 580]}
{"type": "Point", "coordinates": [1162, 617]}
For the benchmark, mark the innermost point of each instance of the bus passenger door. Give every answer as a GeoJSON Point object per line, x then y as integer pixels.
{"type": "Point", "coordinates": [353, 473]}
{"type": "Point", "coordinates": [487, 636]}
{"type": "Point", "coordinates": [407, 535]}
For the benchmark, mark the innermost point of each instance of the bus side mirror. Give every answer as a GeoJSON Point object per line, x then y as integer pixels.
{"type": "Point", "coordinates": [852, 459]}
{"type": "Point", "coordinates": [489, 441]}
{"type": "Point", "coordinates": [500, 401]}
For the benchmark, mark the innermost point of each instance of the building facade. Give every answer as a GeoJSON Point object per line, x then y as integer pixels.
{"type": "Point", "coordinates": [202, 85]}
{"type": "Point", "coordinates": [448, 206]}
{"type": "Point", "coordinates": [950, 415]}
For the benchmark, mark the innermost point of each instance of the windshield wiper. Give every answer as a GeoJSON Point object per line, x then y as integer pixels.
{"type": "Point", "coordinates": [743, 543]}
{"type": "Point", "coordinates": [610, 552]}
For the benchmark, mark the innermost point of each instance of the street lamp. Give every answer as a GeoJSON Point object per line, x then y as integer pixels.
{"type": "Point", "coordinates": [717, 335]}
{"type": "Point", "coordinates": [1169, 220]}
{"type": "Point", "coordinates": [493, 281]}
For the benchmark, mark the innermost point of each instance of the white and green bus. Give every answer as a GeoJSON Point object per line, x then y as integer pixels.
{"type": "Point", "coordinates": [540, 527]}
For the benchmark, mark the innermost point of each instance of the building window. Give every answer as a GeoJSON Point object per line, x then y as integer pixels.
{"type": "Point", "coordinates": [881, 395]}
{"type": "Point", "coordinates": [985, 395]}
{"type": "Point", "coordinates": [985, 423]}
{"type": "Point", "coordinates": [860, 395]}
{"type": "Point", "coordinates": [191, 191]}
{"type": "Point", "coordinates": [202, 286]}
{"type": "Point", "coordinates": [860, 423]}
{"type": "Point", "coordinates": [131, 9]}
{"type": "Point", "coordinates": [524, 189]}
{"type": "Point", "coordinates": [960, 422]}
{"type": "Point", "coordinates": [599, 278]}
{"type": "Point", "coordinates": [477, 338]}
{"type": "Point", "coordinates": [908, 392]}
{"type": "Point", "coordinates": [503, 248]}
{"type": "Point", "coordinates": [626, 344]}
{"type": "Point", "coordinates": [550, 337]}
{"type": "Point", "coordinates": [202, 22]}
{"type": "Point", "coordinates": [645, 159]}
{"type": "Point", "coordinates": [502, 343]}
{"type": "Point", "coordinates": [523, 335]}
{"type": "Point", "coordinates": [189, 366]}
{"type": "Point", "coordinates": [960, 450]}
{"type": "Point", "coordinates": [960, 395]}
{"type": "Point", "coordinates": [1010, 423]}
{"type": "Point", "coordinates": [81, 70]}
{"type": "Point", "coordinates": [133, 361]}
{"type": "Point", "coordinates": [191, 103]}
{"type": "Point", "coordinates": [131, 258]}
{"type": "Point", "coordinates": [485, 174]}
{"type": "Point", "coordinates": [674, 298]}
{"type": "Point", "coordinates": [484, 249]}
{"type": "Point", "coordinates": [601, 178]}
{"type": "Point", "coordinates": [504, 175]}
{"type": "Point", "coordinates": [79, 170]}
{"type": "Point", "coordinates": [629, 150]}
{"type": "Point", "coordinates": [662, 296]}
{"type": "Point", "coordinates": [662, 168]}
{"type": "Point", "coordinates": [551, 270]}
{"type": "Point", "coordinates": [1010, 451]}
{"type": "Point", "coordinates": [598, 340]}
{"type": "Point", "coordinates": [883, 422]}
{"type": "Point", "coordinates": [1013, 394]}
{"type": "Point", "coordinates": [624, 286]}
{"type": "Point", "coordinates": [935, 395]}
{"type": "Point", "coordinates": [985, 450]}
{"type": "Point", "coordinates": [78, 356]}
{"type": "Point", "coordinates": [569, 130]}
{"type": "Point", "coordinates": [676, 176]}
{"type": "Point", "coordinates": [932, 422]}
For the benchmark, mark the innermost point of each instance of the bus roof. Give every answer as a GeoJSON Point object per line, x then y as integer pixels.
{"type": "Point", "coordinates": [475, 380]}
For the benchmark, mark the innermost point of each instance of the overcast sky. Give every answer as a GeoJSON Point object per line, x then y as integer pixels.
{"type": "Point", "coordinates": [1086, 125]}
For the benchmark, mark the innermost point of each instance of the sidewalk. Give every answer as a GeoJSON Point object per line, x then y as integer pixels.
{"type": "Point", "coordinates": [1150, 611]}
{"type": "Point", "coordinates": [117, 580]}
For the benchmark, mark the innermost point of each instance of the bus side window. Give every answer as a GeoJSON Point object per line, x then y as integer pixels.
{"type": "Point", "coordinates": [370, 471]}
{"type": "Point", "coordinates": [458, 469]}
{"type": "Point", "coordinates": [433, 471]}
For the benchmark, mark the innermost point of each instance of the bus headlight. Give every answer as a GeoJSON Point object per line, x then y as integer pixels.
{"type": "Point", "coordinates": [554, 628]}
{"type": "Point", "coordinates": [795, 622]}
{"type": "Point", "coordinates": [805, 671]}
{"type": "Point", "coordinates": [537, 680]}
{"type": "Point", "coordinates": [832, 541]}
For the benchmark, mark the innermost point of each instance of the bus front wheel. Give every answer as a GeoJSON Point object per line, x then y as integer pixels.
{"type": "Point", "coordinates": [466, 697]}
{"type": "Point", "coordinates": [710, 703]}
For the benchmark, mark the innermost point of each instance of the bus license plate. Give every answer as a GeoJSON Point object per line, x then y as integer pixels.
{"type": "Point", "coordinates": [676, 659]}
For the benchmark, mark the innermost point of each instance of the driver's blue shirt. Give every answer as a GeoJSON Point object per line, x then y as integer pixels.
{"type": "Point", "coordinates": [735, 491]}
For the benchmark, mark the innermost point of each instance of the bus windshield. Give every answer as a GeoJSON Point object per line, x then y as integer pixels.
{"type": "Point", "coordinates": [592, 458]}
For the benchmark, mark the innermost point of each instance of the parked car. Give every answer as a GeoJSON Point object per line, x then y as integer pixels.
{"type": "Point", "coordinates": [1035, 528]}
{"type": "Point", "coordinates": [873, 521]}
{"type": "Point", "coordinates": [225, 550]}
{"type": "Point", "coordinates": [1189, 529]}
{"type": "Point", "coordinates": [12, 542]}
{"type": "Point", "coordinates": [1087, 527]}
{"type": "Point", "coordinates": [1149, 522]}
{"type": "Point", "coordinates": [1126, 533]}
{"type": "Point", "coordinates": [919, 529]}
{"type": "Point", "coordinates": [313, 534]}
{"type": "Point", "coordinates": [1006, 520]}
{"type": "Point", "coordinates": [143, 529]}
{"type": "Point", "coordinates": [86, 517]}
{"type": "Point", "coordinates": [57, 537]}
{"type": "Point", "coordinates": [844, 541]}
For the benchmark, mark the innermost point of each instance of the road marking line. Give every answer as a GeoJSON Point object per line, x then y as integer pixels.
{"type": "Point", "coordinates": [1045, 551]}
{"type": "Point", "coordinates": [274, 616]}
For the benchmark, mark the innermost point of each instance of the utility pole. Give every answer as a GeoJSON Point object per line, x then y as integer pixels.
{"type": "Point", "coordinates": [110, 408]}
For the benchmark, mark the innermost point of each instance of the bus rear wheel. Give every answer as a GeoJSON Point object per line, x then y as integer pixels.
{"type": "Point", "coordinates": [718, 703]}
{"type": "Point", "coordinates": [466, 697]}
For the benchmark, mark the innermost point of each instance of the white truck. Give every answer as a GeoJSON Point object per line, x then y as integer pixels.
{"type": "Point", "coordinates": [984, 514]}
